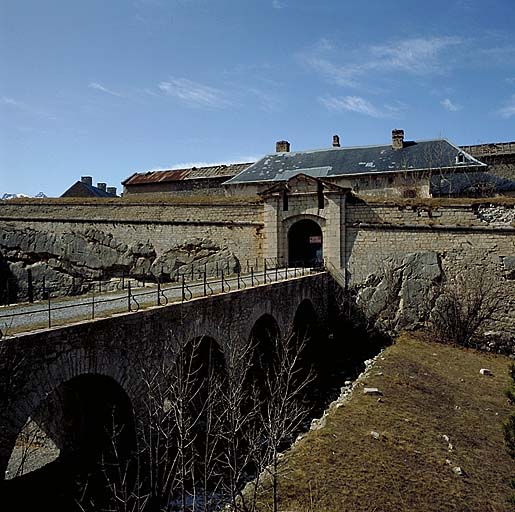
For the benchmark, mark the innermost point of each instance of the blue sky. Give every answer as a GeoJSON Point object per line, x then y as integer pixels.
{"type": "Point", "coordinates": [110, 87]}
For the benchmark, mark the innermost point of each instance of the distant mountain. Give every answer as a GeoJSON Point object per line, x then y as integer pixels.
{"type": "Point", "coordinates": [17, 196]}
{"type": "Point", "coordinates": [13, 196]}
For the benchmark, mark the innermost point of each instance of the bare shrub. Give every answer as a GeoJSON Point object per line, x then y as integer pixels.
{"type": "Point", "coordinates": [209, 425]}
{"type": "Point", "coordinates": [466, 304]}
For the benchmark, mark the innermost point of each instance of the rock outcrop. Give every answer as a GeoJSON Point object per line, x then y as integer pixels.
{"type": "Point", "coordinates": [400, 295]}
{"type": "Point", "coordinates": [68, 263]}
{"type": "Point", "coordinates": [406, 291]}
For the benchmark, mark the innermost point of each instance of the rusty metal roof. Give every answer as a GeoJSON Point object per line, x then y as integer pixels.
{"type": "Point", "coordinates": [193, 173]}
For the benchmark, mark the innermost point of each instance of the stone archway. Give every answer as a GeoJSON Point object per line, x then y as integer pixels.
{"type": "Point", "coordinates": [89, 421]}
{"type": "Point", "coordinates": [305, 243]}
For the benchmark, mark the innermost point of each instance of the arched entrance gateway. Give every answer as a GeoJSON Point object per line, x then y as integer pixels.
{"type": "Point", "coordinates": [305, 244]}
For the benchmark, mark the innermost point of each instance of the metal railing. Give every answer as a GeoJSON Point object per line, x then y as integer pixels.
{"type": "Point", "coordinates": [184, 287]}
{"type": "Point", "coordinates": [14, 290]}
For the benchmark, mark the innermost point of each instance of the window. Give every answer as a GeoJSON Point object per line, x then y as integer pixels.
{"type": "Point", "coordinates": [409, 193]}
{"type": "Point", "coordinates": [460, 158]}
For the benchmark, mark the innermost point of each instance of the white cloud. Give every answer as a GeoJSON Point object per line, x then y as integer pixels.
{"type": "Point", "coordinates": [277, 4]}
{"type": "Point", "coordinates": [450, 106]}
{"type": "Point", "coordinates": [19, 106]}
{"type": "Point", "coordinates": [340, 75]}
{"type": "Point", "coordinates": [194, 94]}
{"type": "Point", "coordinates": [396, 108]}
{"type": "Point", "coordinates": [268, 102]}
{"type": "Point", "coordinates": [5, 100]}
{"type": "Point", "coordinates": [414, 56]}
{"type": "Point", "coordinates": [101, 88]}
{"type": "Point", "coordinates": [351, 104]}
{"type": "Point", "coordinates": [509, 108]}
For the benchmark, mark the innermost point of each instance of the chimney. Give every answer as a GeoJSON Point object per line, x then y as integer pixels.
{"type": "Point", "coordinates": [397, 139]}
{"type": "Point", "coordinates": [336, 141]}
{"type": "Point", "coordinates": [88, 180]}
{"type": "Point", "coordinates": [111, 190]}
{"type": "Point", "coordinates": [282, 146]}
{"type": "Point", "coordinates": [102, 186]}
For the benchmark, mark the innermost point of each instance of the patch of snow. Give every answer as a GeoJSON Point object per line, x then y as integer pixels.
{"type": "Point", "coordinates": [13, 196]}
{"type": "Point", "coordinates": [8, 196]}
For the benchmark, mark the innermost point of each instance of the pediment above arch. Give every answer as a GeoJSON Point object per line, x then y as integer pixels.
{"type": "Point", "coordinates": [302, 184]}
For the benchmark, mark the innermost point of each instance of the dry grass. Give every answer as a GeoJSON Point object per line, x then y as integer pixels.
{"type": "Point", "coordinates": [162, 198]}
{"type": "Point", "coordinates": [429, 390]}
{"type": "Point", "coordinates": [439, 201]}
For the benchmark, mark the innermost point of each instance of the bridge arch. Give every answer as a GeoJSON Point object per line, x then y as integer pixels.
{"type": "Point", "coordinates": [263, 339]}
{"type": "Point", "coordinates": [305, 321]}
{"type": "Point", "coordinates": [201, 363]}
{"type": "Point", "coordinates": [89, 419]}
{"type": "Point", "coordinates": [308, 337]}
{"type": "Point", "coordinates": [120, 347]}
{"type": "Point", "coordinates": [40, 388]}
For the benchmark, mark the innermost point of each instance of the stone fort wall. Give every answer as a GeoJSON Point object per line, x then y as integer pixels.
{"type": "Point", "coordinates": [163, 224]}
{"type": "Point", "coordinates": [60, 241]}
{"type": "Point", "coordinates": [454, 237]}
{"type": "Point", "coordinates": [458, 233]}
{"type": "Point", "coordinates": [500, 157]}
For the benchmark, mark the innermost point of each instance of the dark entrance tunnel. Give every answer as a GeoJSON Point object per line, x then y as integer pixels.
{"type": "Point", "coordinates": [90, 420]}
{"type": "Point", "coordinates": [305, 244]}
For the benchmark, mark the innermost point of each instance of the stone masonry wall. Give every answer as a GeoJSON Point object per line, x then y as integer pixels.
{"type": "Point", "coordinates": [420, 245]}
{"type": "Point", "coordinates": [64, 240]}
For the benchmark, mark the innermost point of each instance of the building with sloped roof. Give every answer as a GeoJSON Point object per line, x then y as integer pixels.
{"type": "Point", "coordinates": [499, 156]}
{"type": "Point", "coordinates": [189, 181]}
{"type": "Point", "coordinates": [85, 188]}
{"type": "Point", "coordinates": [402, 168]}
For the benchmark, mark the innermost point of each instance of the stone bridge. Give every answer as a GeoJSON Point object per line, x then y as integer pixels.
{"type": "Point", "coordinates": [94, 364]}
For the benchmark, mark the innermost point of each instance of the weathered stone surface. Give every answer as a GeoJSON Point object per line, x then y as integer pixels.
{"type": "Point", "coordinates": [400, 294]}
{"type": "Point", "coordinates": [64, 262]}
{"type": "Point", "coordinates": [496, 214]}
{"type": "Point", "coordinates": [509, 266]}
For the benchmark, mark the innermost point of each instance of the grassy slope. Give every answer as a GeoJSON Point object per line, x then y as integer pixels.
{"type": "Point", "coordinates": [428, 390]}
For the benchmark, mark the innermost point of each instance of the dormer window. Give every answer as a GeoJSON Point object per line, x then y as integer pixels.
{"type": "Point", "coordinates": [460, 158]}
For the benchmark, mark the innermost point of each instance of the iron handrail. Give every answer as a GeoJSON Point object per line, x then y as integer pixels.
{"type": "Point", "coordinates": [266, 275]}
